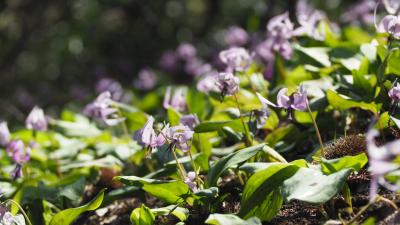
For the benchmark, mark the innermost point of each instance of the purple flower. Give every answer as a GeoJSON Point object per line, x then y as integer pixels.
{"type": "Point", "coordinates": [309, 19]}
{"type": "Point", "coordinates": [181, 136]}
{"type": "Point", "coordinates": [362, 11]}
{"type": "Point", "coordinates": [394, 93]}
{"type": "Point", "coordinates": [196, 67]}
{"type": "Point", "coordinates": [236, 59]}
{"type": "Point", "coordinates": [236, 36]}
{"type": "Point", "coordinates": [146, 80]}
{"type": "Point", "coordinates": [36, 120]}
{"type": "Point", "coordinates": [280, 27]}
{"type": "Point", "coordinates": [391, 6]}
{"type": "Point", "coordinates": [17, 172]}
{"type": "Point", "coordinates": [390, 24]}
{"type": "Point", "coordinates": [207, 83]}
{"type": "Point", "coordinates": [227, 84]}
{"type": "Point", "coordinates": [177, 100]}
{"type": "Point", "coordinates": [147, 136]}
{"type": "Point", "coordinates": [115, 89]}
{"type": "Point", "coordinates": [169, 61]}
{"type": "Point", "coordinates": [5, 135]}
{"type": "Point", "coordinates": [186, 51]}
{"type": "Point", "coordinates": [101, 108]}
{"type": "Point", "coordinates": [262, 114]}
{"type": "Point", "coordinates": [381, 162]}
{"type": "Point", "coordinates": [190, 180]}
{"type": "Point", "coordinates": [17, 151]}
{"type": "Point", "coordinates": [190, 120]}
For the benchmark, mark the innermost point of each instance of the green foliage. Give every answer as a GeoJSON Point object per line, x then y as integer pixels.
{"type": "Point", "coordinates": [222, 219]}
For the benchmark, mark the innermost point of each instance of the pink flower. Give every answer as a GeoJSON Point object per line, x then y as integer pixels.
{"type": "Point", "coordinates": [148, 137]}
{"type": "Point", "coordinates": [190, 180]}
{"type": "Point", "coordinates": [390, 24]}
{"type": "Point", "coordinates": [208, 82]}
{"type": "Point", "coordinates": [236, 59]}
{"type": "Point", "coordinates": [227, 84]}
{"type": "Point", "coordinates": [190, 120]}
{"type": "Point", "coordinates": [186, 51]}
{"type": "Point", "coordinates": [236, 36]}
{"type": "Point", "coordinates": [101, 108]}
{"type": "Point", "coordinates": [5, 135]}
{"type": "Point", "coordinates": [36, 120]}
{"type": "Point", "coordinates": [176, 100]}
{"type": "Point", "coordinates": [394, 93]}
{"type": "Point", "coordinates": [181, 136]}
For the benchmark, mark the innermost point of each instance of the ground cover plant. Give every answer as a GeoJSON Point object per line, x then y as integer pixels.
{"type": "Point", "coordinates": [295, 124]}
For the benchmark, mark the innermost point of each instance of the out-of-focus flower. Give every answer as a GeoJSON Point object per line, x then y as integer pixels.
{"type": "Point", "coordinates": [360, 12]}
{"type": "Point", "coordinates": [391, 6]}
{"type": "Point", "coordinates": [381, 162]}
{"type": "Point", "coordinates": [190, 181]}
{"type": "Point", "coordinates": [186, 51]}
{"type": "Point", "coordinates": [280, 26]}
{"type": "Point", "coordinates": [36, 120]}
{"type": "Point", "coordinates": [176, 100]}
{"type": "Point", "coordinates": [17, 151]}
{"type": "Point", "coordinates": [227, 84]}
{"type": "Point", "coordinates": [101, 108]}
{"type": "Point", "coordinates": [190, 120]}
{"type": "Point", "coordinates": [262, 114]}
{"type": "Point", "coordinates": [5, 135]}
{"type": "Point", "coordinates": [394, 93]}
{"type": "Point", "coordinates": [207, 83]}
{"type": "Point", "coordinates": [147, 136]}
{"type": "Point", "coordinates": [196, 67]}
{"type": "Point", "coordinates": [7, 218]}
{"type": "Point", "coordinates": [390, 24]}
{"type": "Point", "coordinates": [309, 19]}
{"type": "Point", "coordinates": [146, 80]}
{"type": "Point", "coordinates": [236, 59]}
{"type": "Point", "coordinates": [181, 136]}
{"type": "Point", "coordinates": [169, 61]}
{"type": "Point", "coordinates": [236, 36]}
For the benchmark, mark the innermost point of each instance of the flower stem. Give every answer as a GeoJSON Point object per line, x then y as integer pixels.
{"type": "Point", "coordinates": [123, 124]}
{"type": "Point", "coordinates": [194, 169]}
{"type": "Point", "coordinates": [181, 170]}
{"type": "Point", "coordinates": [248, 141]}
{"type": "Point", "coordinates": [317, 131]}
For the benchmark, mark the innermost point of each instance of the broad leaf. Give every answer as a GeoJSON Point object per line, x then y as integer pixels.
{"type": "Point", "coordinates": [211, 126]}
{"type": "Point", "coordinates": [342, 102]}
{"type": "Point", "coordinates": [318, 54]}
{"type": "Point", "coordinates": [181, 213]}
{"type": "Point", "coordinates": [312, 186]}
{"type": "Point", "coordinates": [68, 216]}
{"type": "Point", "coordinates": [230, 160]}
{"type": "Point", "coordinates": [348, 162]}
{"type": "Point", "coordinates": [142, 216]}
{"type": "Point", "coordinates": [224, 219]}
{"type": "Point", "coordinates": [171, 192]}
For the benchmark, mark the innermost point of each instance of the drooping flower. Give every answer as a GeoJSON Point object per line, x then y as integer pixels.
{"type": "Point", "coordinates": [5, 135]}
{"type": "Point", "coordinates": [280, 27]}
{"type": "Point", "coordinates": [381, 162]}
{"type": "Point", "coordinates": [362, 11]}
{"type": "Point", "coordinates": [227, 84]}
{"type": "Point", "coordinates": [36, 120]}
{"type": "Point", "coordinates": [309, 19]}
{"type": "Point", "coordinates": [186, 51]}
{"type": "Point", "coordinates": [101, 108]}
{"type": "Point", "coordinates": [262, 114]}
{"type": "Point", "coordinates": [190, 181]}
{"type": "Point", "coordinates": [169, 61]}
{"type": "Point", "coordinates": [236, 59]}
{"type": "Point", "coordinates": [146, 79]}
{"type": "Point", "coordinates": [176, 100]}
{"type": "Point", "coordinates": [236, 36]}
{"type": "Point", "coordinates": [112, 86]}
{"type": "Point", "coordinates": [190, 120]}
{"type": "Point", "coordinates": [208, 82]}
{"type": "Point", "coordinates": [390, 24]}
{"type": "Point", "coordinates": [17, 151]}
{"type": "Point", "coordinates": [196, 67]}
{"type": "Point", "coordinates": [180, 136]}
{"type": "Point", "coordinates": [394, 93]}
{"type": "Point", "coordinates": [147, 136]}
{"type": "Point", "coordinates": [7, 218]}
{"type": "Point", "coordinates": [391, 6]}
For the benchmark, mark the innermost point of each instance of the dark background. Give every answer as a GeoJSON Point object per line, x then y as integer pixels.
{"type": "Point", "coordinates": [52, 51]}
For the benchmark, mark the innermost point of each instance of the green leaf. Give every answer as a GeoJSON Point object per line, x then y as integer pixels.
{"type": "Point", "coordinates": [173, 116]}
{"type": "Point", "coordinates": [199, 104]}
{"type": "Point", "coordinates": [81, 127]}
{"type": "Point", "coordinates": [261, 195]}
{"type": "Point", "coordinates": [342, 102]}
{"type": "Point", "coordinates": [310, 185]}
{"type": "Point", "coordinates": [224, 219]}
{"type": "Point", "coordinates": [393, 65]}
{"type": "Point", "coordinates": [230, 160]}
{"type": "Point", "coordinates": [318, 54]}
{"type": "Point", "coordinates": [181, 213]}
{"type": "Point", "coordinates": [171, 192]}
{"type": "Point", "coordinates": [348, 162]}
{"type": "Point", "coordinates": [211, 126]}
{"type": "Point", "coordinates": [142, 216]}
{"type": "Point", "coordinates": [68, 216]}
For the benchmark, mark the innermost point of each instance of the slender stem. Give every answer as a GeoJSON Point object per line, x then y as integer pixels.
{"type": "Point", "coordinates": [123, 124]}
{"type": "Point", "coordinates": [248, 141]}
{"type": "Point", "coordinates": [181, 170]}
{"type": "Point", "coordinates": [362, 210]}
{"type": "Point", "coordinates": [383, 199]}
{"type": "Point", "coordinates": [317, 131]}
{"type": "Point", "coordinates": [21, 209]}
{"type": "Point", "coordinates": [194, 169]}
